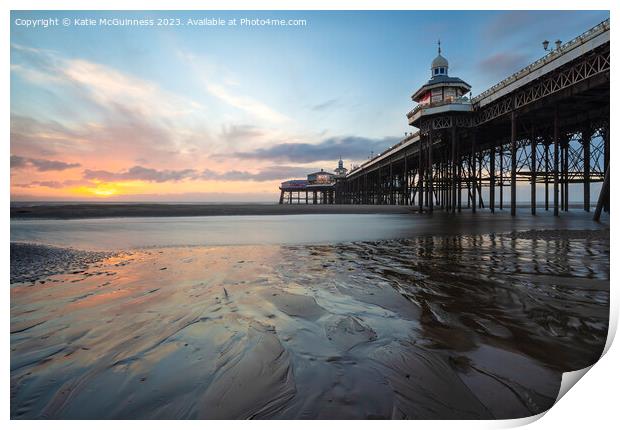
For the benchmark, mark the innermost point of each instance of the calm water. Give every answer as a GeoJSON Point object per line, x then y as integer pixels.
{"type": "Point", "coordinates": [127, 233]}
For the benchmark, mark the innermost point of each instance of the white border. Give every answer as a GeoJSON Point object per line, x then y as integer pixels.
{"type": "Point", "coordinates": [591, 404]}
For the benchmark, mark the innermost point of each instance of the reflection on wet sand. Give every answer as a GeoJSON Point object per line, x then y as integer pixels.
{"type": "Point", "coordinates": [452, 327]}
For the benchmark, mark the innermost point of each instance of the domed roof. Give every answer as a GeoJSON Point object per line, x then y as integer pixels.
{"type": "Point", "coordinates": [439, 61]}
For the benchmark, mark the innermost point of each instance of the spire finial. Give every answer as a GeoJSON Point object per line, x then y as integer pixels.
{"type": "Point", "coordinates": [439, 46]}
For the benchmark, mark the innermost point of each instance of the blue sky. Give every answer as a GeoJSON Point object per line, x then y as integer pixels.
{"type": "Point", "coordinates": [194, 112]}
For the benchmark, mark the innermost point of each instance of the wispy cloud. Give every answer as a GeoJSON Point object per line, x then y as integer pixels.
{"type": "Point", "coordinates": [139, 173]}
{"type": "Point", "coordinates": [328, 104]}
{"type": "Point", "coordinates": [40, 164]}
{"type": "Point", "coordinates": [241, 132]}
{"type": "Point", "coordinates": [350, 147]}
{"type": "Point", "coordinates": [508, 23]}
{"type": "Point", "coordinates": [117, 114]}
{"type": "Point", "coordinates": [53, 184]}
{"type": "Point", "coordinates": [271, 173]}
{"type": "Point", "coordinates": [247, 104]}
{"type": "Point", "coordinates": [502, 64]}
{"type": "Point", "coordinates": [221, 84]}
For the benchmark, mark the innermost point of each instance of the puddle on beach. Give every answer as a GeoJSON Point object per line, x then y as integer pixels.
{"type": "Point", "coordinates": [454, 327]}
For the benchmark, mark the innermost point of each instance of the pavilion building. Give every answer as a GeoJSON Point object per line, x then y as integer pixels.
{"type": "Point", "coordinates": [318, 188]}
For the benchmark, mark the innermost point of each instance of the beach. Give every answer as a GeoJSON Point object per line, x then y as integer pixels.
{"type": "Point", "coordinates": [460, 325]}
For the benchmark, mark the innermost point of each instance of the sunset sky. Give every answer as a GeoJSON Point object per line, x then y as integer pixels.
{"type": "Point", "coordinates": [227, 113]}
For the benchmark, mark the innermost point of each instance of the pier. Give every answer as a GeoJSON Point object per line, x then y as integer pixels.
{"type": "Point", "coordinates": [546, 125]}
{"type": "Point", "coordinates": [318, 188]}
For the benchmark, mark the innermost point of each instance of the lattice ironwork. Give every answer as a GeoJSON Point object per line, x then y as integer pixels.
{"type": "Point", "coordinates": [593, 64]}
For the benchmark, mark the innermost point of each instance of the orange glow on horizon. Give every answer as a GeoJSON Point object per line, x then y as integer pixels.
{"type": "Point", "coordinates": [109, 190]}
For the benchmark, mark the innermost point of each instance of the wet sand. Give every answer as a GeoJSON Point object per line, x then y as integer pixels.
{"type": "Point", "coordinates": [33, 263]}
{"type": "Point", "coordinates": [466, 326]}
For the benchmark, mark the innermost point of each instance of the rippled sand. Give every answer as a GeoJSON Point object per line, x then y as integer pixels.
{"type": "Point", "coordinates": [456, 327]}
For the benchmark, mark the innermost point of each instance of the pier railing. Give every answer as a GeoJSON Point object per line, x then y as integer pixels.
{"type": "Point", "coordinates": [454, 101]}
{"type": "Point", "coordinates": [552, 55]}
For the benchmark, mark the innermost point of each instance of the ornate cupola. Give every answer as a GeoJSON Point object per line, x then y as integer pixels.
{"type": "Point", "coordinates": [341, 171]}
{"type": "Point", "coordinates": [439, 67]}
{"type": "Point", "coordinates": [440, 93]}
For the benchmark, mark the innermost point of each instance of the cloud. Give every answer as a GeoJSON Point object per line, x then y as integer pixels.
{"type": "Point", "coordinates": [247, 104]}
{"type": "Point", "coordinates": [42, 165]}
{"type": "Point", "coordinates": [508, 23]}
{"type": "Point", "coordinates": [47, 165]}
{"type": "Point", "coordinates": [271, 173]}
{"type": "Point", "coordinates": [43, 137]}
{"type": "Point", "coordinates": [18, 162]}
{"type": "Point", "coordinates": [53, 184]}
{"type": "Point", "coordinates": [189, 197]}
{"type": "Point", "coordinates": [503, 64]}
{"type": "Point", "coordinates": [220, 83]}
{"type": "Point", "coordinates": [139, 173]}
{"type": "Point", "coordinates": [241, 132]}
{"type": "Point", "coordinates": [325, 105]}
{"type": "Point", "coordinates": [350, 147]}
{"type": "Point", "coordinates": [111, 113]}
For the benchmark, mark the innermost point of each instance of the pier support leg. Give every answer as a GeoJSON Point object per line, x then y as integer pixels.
{"type": "Point", "coordinates": [469, 181]}
{"type": "Point", "coordinates": [513, 163]}
{"type": "Point", "coordinates": [533, 169]}
{"type": "Point", "coordinates": [492, 180]}
{"type": "Point", "coordinates": [547, 144]}
{"type": "Point", "coordinates": [561, 174]}
{"type": "Point", "coordinates": [459, 176]}
{"type": "Point", "coordinates": [420, 179]}
{"type": "Point", "coordinates": [501, 177]}
{"type": "Point", "coordinates": [474, 172]}
{"type": "Point", "coordinates": [603, 197]}
{"type": "Point", "coordinates": [406, 183]}
{"type": "Point", "coordinates": [556, 162]}
{"type": "Point", "coordinates": [454, 172]}
{"type": "Point", "coordinates": [430, 171]}
{"type": "Point", "coordinates": [586, 138]}
{"type": "Point", "coordinates": [606, 161]}
{"type": "Point", "coordinates": [391, 188]}
{"type": "Point", "coordinates": [566, 155]}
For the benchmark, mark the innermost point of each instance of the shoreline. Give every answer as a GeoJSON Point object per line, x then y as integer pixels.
{"type": "Point", "coordinates": [80, 211]}
{"type": "Point", "coordinates": [155, 210]}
